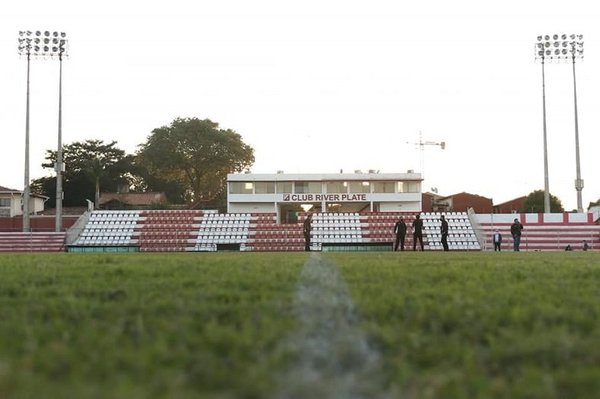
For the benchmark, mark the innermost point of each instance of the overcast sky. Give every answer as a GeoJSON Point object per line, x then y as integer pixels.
{"type": "Point", "coordinates": [318, 86]}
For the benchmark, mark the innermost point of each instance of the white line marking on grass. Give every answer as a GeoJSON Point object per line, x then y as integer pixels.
{"type": "Point", "coordinates": [332, 356]}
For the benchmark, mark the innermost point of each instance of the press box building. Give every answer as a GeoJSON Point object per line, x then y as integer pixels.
{"type": "Point", "coordinates": [286, 194]}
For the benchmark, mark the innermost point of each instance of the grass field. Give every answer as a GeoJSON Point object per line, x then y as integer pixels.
{"type": "Point", "coordinates": [438, 325]}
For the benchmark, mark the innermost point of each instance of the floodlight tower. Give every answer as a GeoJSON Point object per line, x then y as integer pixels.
{"type": "Point", "coordinates": [60, 50]}
{"type": "Point", "coordinates": [540, 53]}
{"type": "Point", "coordinates": [43, 45]}
{"type": "Point", "coordinates": [563, 47]}
{"type": "Point", "coordinates": [26, 48]}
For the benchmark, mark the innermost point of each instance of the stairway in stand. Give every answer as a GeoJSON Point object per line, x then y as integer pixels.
{"type": "Point", "coordinates": [32, 242]}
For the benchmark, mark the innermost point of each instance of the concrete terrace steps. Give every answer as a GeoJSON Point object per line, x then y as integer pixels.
{"type": "Point", "coordinates": [32, 242]}
{"type": "Point", "coordinates": [543, 232]}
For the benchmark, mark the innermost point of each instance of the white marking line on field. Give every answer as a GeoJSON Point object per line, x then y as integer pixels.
{"type": "Point", "coordinates": [333, 357]}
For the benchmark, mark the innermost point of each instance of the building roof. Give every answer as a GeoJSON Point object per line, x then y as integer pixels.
{"type": "Point", "coordinates": [357, 176]}
{"type": "Point", "coordinates": [518, 199]}
{"type": "Point", "coordinates": [5, 190]}
{"type": "Point", "coordinates": [134, 198]}
{"type": "Point", "coordinates": [8, 190]}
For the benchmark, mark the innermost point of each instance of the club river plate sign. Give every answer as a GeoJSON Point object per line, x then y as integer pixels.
{"type": "Point", "coordinates": [324, 197]}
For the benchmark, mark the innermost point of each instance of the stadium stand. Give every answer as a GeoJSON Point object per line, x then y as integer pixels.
{"type": "Point", "coordinates": [209, 231]}
{"type": "Point", "coordinates": [336, 228]}
{"type": "Point", "coordinates": [167, 230]}
{"type": "Point", "coordinates": [542, 232]}
{"type": "Point", "coordinates": [32, 242]}
{"type": "Point", "coordinates": [461, 235]}
{"type": "Point", "coordinates": [223, 231]}
{"type": "Point", "coordinates": [266, 235]}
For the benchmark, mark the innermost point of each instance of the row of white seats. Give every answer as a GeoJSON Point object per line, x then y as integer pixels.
{"type": "Point", "coordinates": [474, 246]}
{"type": "Point", "coordinates": [114, 216]}
{"type": "Point", "coordinates": [225, 223]}
{"type": "Point", "coordinates": [340, 215]}
{"type": "Point", "coordinates": [222, 240]}
{"type": "Point", "coordinates": [119, 233]}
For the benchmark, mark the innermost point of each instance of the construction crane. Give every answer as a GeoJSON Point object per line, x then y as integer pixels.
{"type": "Point", "coordinates": [422, 144]}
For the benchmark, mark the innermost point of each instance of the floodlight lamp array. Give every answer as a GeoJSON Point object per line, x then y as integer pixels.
{"type": "Point", "coordinates": [559, 47]}
{"type": "Point", "coordinates": [43, 43]}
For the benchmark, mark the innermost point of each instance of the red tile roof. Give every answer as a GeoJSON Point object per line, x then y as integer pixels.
{"type": "Point", "coordinates": [134, 198]}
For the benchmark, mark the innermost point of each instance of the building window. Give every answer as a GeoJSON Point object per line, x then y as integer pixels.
{"type": "Point", "coordinates": [360, 187]}
{"type": "Point", "coordinates": [264, 187]}
{"type": "Point", "coordinates": [304, 187]}
{"type": "Point", "coordinates": [239, 187]}
{"type": "Point", "coordinates": [412, 187]}
{"type": "Point", "coordinates": [384, 187]}
{"type": "Point", "coordinates": [284, 187]}
{"type": "Point", "coordinates": [337, 187]}
{"type": "Point", "coordinates": [4, 202]}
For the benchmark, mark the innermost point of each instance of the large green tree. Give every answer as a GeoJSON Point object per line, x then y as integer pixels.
{"type": "Point", "coordinates": [535, 202]}
{"type": "Point", "coordinates": [196, 155]}
{"type": "Point", "coordinates": [90, 166]}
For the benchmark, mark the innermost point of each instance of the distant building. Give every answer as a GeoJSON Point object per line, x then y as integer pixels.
{"type": "Point", "coordinates": [516, 205]}
{"type": "Point", "coordinates": [459, 202]}
{"type": "Point", "coordinates": [131, 200]}
{"type": "Point", "coordinates": [433, 202]}
{"type": "Point", "coordinates": [11, 202]}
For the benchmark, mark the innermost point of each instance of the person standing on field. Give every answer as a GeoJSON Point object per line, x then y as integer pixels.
{"type": "Point", "coordinates": [497, 240]}
{"type": "Point", "coordinates": [307, 230]}
{"type": "Point", "coordinates": [515, 231]}
{"type": "Point", "coordinates": [400, 231]}
{"type": "Point", "coordinates": [444, 232]}
{"type": "Point", "coordinates": [417, 227]}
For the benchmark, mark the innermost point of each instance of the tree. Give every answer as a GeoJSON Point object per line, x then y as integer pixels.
{"type": "Point", "coordinates": [535, 202]}
{"type": "Point", "coordinates": [197, 155]}
{"type": "Point", "coordinates": [89, 166]}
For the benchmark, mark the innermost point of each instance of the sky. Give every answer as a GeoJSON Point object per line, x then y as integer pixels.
{"type": "Point", "coordinates": [318, 86]}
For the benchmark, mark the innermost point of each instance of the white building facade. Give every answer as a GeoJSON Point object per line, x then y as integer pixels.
{"type": "Point", "coordinates": [11, 202]}
{"type": "Point", "coordinates": [286, 194]}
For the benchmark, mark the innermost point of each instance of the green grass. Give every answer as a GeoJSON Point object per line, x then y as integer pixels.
{"type": "Point", "coordinates": [139, 326]}
{"type": "Point", "coordinates": [481, 325]}
{"type": "Point", "coordinates": [453, 325]}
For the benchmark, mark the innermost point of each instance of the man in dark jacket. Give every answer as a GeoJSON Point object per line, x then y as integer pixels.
{"type": "Point", "coordinates": [400, 231]}
{"type": "Point", "coordinates": [515, 231]}
{"type": "Point", "coordinates": [417, 232]}
{"type": "Point", "coordinates": [444, 232]}
{"type": "Point", "coordinates": [307, 230]}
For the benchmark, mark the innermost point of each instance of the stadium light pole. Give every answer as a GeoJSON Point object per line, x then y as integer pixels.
{"type": "Point", "coordinates": [540, 53]}
{"type": "Point", "coordinates": [563, 47]}
{"type": "Point", "coordinates": [43, 45]}
{"type": "Point", "coordinates": [25, 49]}
{"type": "Point", "coordinates": [61, 50]}
{"type": "Point", "coordinates": [576, 50]}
